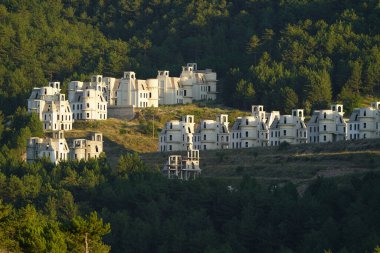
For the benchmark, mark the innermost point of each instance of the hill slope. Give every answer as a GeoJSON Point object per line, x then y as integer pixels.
{"type": "Point", "coordinates": [137, 135]}
{"type": "Point", "coordinates": [299, 163]}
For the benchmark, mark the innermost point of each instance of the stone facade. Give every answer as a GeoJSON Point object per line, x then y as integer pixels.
{"type": "Point", "coordinates": [137, 93]}
{"type": "Point", "coordinates": [364, 123]}
{"type": "Point", "coordinates": [197, 84]}
{"type": "Point", "coordinates": [212, 134]}
{"type": "Point", "coordinates": [85, 149]}
{"type": "Point", "coordinates": [177, 135]}
{"type": "Point", "coordinates": [183, 168]}
{"type": "Point", "coordinates": [169, 89]}
{"type": "Point", "coordinates": [327, 125]}
{"type": "Point", "coordinates": [51, 107]}
{"type": "Point", "coordinates": [288, 128]}
{"type": "Point", "coordinates": [253, 131]}
{"type": "Point", "coordinates": [55, 148]}
{"type": "Point", "coordinates": [88, 99]}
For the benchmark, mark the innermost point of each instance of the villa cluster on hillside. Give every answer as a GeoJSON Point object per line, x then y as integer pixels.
{"type": "Point", "coordinates": [56, 149]}
{"type": "Point", "coordinates": [270, 129]}
{"type": "Point", "coordinates": [92, 100]}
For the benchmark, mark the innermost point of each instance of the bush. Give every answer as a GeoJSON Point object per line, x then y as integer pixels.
{"type": "Point", "coordinates": [284, 145]}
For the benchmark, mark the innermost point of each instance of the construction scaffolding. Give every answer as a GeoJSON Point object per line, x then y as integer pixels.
{"type": "Point", "coordinates": [183, 168]}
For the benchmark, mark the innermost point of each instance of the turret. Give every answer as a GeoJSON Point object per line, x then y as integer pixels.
{"type": "Point", "coordinates": [258, 111]}
{"type": "Point", "coordinates": [97, 79]}
{"type": "Point", "coordinates": [58, 135]}
{"type": "Point", "coordinates": [97, 137]}
{"type": "Point", "coordinates": [188, 119]}
{"type": "Point", "coordinates": [222, 118]}
{"type": "Point", "coordinates": [163, 73]}
{"type": "Point", "coordinates": [192, 65]}
{"type": "Point", "coordinates": [129, 75]}
{"type": "Point", "coordinates": [298, 113]}
{"type": "Point", "coordinates": [56, 85]}
{"type": "Point", "coordinates": [337, 108]}
{"type": "Point", "coordinates": [375, 105]}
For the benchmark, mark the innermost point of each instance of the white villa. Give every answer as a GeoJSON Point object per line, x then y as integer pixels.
{"type": "Point", "coordinates": [177, 135]}
{"type": "Point", "coordinates": [197, 84]}
{"type": "Point", "coordinates": [184, 168]}
{"type": "Point", "coordinates": [51, 107]}
{"type": "Point", "coordinates": [84, 149]}
{"type": "Point", "coordinates": [169, 89]}
{"type": "Point", "coordinates": [111, 91]}
{"type": "Point", "coordinates": [56, 149]}
{"type": "Point", "coordinates": [253, 131]}
{"type": "Point", "coordinates": [135, 92]}
{"type": "Point", "coordinates": [192, 85]}
{"type": "Point", "coordinates": [212, 134]}
{"type": "Point", "coordinates": [327, 125]}
{"type": "Point", "coordinates": [364, 123]}
{"type": "Point", "coordinates": [87, 99]}
{"type": "Point", "coordinates": [289, 128]}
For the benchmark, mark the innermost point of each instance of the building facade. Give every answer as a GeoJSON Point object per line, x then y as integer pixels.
{"type": "Point", "coordinates": [85, 149]}
{"type": "Point", "coordinates": [183, 168]}
{"type": "Point", "coordinates": [53, 148]}
{"type": "Point", "coordinates": [327, 125]}
{"type": "Point", "coordinates": [177, 135]}
{"type": "Point", "coordinates": [137, 93]}
{"type": "Point", "coordinates": [289, 128]}
{"type": "Point", "coordinates": [364, 123]}
{"type": "Point", "coordinates": [169, 89]}
{"type": "Point", "coordinates": [88, 100]}
{"type": "Point", "coordinates": [253, 131]}
{"type": "Point", "coordinates": [212, 134]}
{"type": "Point", "coordinates": [51, 107]}
{"type": "Point", "coordinates": [197, 84]}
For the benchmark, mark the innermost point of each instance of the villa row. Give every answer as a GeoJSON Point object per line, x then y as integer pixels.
{"type": "Point", "coordinates": [270, 129]}
{"type": "Point", "coordinates": [56, 149]}
{"type": "Point", "coordinates": [91, 100]}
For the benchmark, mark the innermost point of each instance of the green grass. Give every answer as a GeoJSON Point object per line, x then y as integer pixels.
{"type": "Point", "coordinates": [137, 135]}
{"type": "Point", "coordinates": [298, 163]}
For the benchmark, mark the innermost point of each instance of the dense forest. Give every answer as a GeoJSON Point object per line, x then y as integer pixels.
{"type": "Point", "coordinates": [132, 208]}
{"type": "Point", "coordinates": [283, 54]}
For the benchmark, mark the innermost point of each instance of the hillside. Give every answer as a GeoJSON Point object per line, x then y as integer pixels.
{"type": "Point", "coordinates": [299, 164]}
{"type": "Point", "coordinates": [137, 135]}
